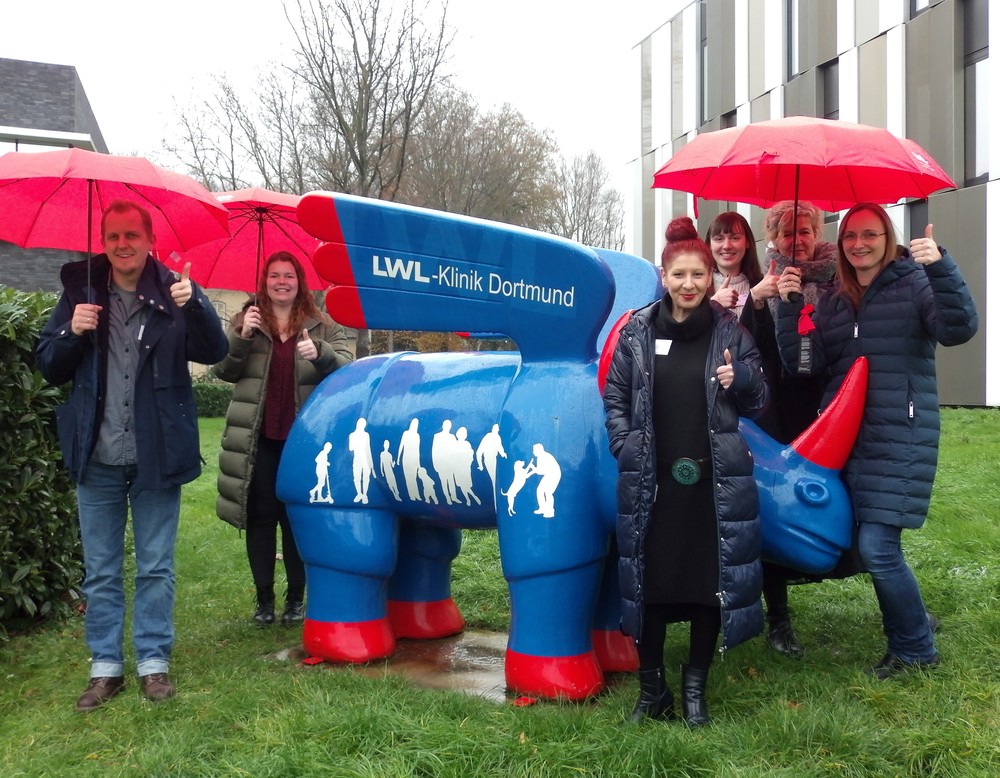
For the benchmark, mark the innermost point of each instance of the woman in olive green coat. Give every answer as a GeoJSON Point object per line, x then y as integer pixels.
{"type": "Point", "coordinates": [280, 348]}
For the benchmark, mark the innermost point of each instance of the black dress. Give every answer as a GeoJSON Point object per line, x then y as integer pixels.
{"type": "Point", "coordinates": [681, 548]}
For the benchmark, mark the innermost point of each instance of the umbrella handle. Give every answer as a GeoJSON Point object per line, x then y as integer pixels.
{"type": "Point", "coordinates": [90, 230]}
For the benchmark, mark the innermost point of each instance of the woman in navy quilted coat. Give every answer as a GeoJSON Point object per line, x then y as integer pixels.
{"type": "Point", "coordinates": [893, 306]}
{"type": "Point", "coordinates": [688, 532]}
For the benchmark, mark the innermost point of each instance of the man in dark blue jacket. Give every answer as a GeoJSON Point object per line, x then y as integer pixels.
{"type": "Point", "coordinates": [123, 332]}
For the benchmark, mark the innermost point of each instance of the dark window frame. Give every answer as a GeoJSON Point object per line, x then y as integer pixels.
{"type": "Point", "coordinates": [975, 35]}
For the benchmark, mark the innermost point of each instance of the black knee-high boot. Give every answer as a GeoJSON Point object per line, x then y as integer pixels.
{"type": "Point", "coordinates": [655, 698]}
{"type": "Point", "coordinates": [694, 706]}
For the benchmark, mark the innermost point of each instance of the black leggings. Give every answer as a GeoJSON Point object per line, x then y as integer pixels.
{"type": "Point", "coordinates": [775, 593]}
{"type": "Point", "coordinates": [706, 621]}
{"type": "Point", "coordinates": [265, 512]}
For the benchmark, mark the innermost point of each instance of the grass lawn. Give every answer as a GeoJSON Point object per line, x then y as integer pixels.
{"type": "Point", "coordinates": [242, 712]}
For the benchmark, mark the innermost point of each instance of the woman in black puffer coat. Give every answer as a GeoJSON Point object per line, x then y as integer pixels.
{"type": "Point", "coordinates": [893, 307]}
{"type": "Point", "coordinates": [682, 373]}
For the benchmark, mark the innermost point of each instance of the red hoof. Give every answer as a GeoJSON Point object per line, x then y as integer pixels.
{"type": "Point", "coordinates": [555, 677]}
{"type": "Point", "coordinates": [338, 641]}
{"type": "Point", "coordinates": [615, 652]}
{"type": "Point", "coordinates": [425, 620]}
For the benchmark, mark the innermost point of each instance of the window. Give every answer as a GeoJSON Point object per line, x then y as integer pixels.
{"type": "Point", "coordinates": [976, 99]}
{"type": "Point", "coordinates": [703, 58]}
{"type": "Point", "coordinates": [792, 34]}
{"type": "Point", "coordinates": [830, 73]}
{"type": "Point", "coordinates": [917, 7]}
{"type": "Point", "coordinates": [919, 216]}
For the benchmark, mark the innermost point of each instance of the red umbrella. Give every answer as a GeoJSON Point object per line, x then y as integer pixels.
{"type": "Point", "coordinates": [262, 222]}
{"type": "Point", "coordinates": [54, 199]}
{"type": "Point", "coordinates": [832, 164]}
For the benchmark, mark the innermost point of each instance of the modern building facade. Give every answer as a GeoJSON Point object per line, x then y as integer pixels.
{"type": "Point", "coordinates": [42, 106]}
{"type": "Point", "coordinates": [920, 68]}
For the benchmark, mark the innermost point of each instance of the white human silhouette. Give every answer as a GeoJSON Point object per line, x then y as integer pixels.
{"type": "Point", "coordinates": [322, 476]}
{"type": "Point", "coordinates": [359, 443]}
{"type": "Point", "coordinates": [443, 449]}
{"type": "Point", "coordinates": [408, 456]}
{"type": "Point", "coordinates": [385, 464]}
{"type": "Point", "coordinates": [464, 456]}
{"type": "Point", "coordinates": [545, 465]}
{"type": "Point", "coordinates": [490, 447]}
{"type": "Point", "coordinates": [430, 493]}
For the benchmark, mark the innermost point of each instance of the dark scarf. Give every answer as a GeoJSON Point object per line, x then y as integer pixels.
{"type": "Point", "coordinates": [699, 320]}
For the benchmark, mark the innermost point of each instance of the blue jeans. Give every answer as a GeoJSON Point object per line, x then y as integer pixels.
{"type": "Point", "coordinates": [104, 495]}
{"type": "Point", "coordinates": [904, 617]}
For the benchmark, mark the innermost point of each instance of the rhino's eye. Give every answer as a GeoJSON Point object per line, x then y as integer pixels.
{"type": "Point", "coordinates": [811, 492]}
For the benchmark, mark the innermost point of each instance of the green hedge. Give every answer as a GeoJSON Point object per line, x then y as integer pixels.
{"type": "Point", "coordinates": [41, 561]}
{"type": "Point", "coordinates": [212, 396]}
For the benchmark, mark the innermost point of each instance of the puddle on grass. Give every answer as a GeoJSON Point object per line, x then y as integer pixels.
{"type": "Point", "coordinates": [471, 662]}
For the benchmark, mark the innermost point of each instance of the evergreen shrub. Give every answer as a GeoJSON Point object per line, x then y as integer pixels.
{"type": "Point", "coordinates": [41, 560]}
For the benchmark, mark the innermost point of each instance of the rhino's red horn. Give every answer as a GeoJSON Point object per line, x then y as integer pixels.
{"type": "Point", "coordinates": [828, 440]}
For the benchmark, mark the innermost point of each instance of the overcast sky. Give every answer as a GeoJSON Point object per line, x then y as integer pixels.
{"type": "Point", "coordinates": [561, 63]}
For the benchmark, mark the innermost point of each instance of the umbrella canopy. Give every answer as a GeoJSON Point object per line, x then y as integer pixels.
{"type": "Point", "coordinates": [261, 222]}
{"type": "Point", "coordinates": [832, 164]}
{"type": "Point", "coordinates": [54, 199]}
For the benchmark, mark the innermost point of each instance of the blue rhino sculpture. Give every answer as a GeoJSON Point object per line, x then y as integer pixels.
{"type": "Point", "coordinates": [394, 455]}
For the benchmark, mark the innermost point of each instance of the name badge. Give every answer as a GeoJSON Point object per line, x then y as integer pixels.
{"type": "Point", "coordinates": [742, 299]}
{"type": "Point", "coordinates": [662, 347]}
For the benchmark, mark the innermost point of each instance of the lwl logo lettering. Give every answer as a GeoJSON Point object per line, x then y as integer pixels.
{"type": "Point", "coordinates": [405, 269]}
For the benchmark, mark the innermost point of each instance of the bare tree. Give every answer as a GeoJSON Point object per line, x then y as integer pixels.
{"type": "Point", "coordinates": [208, 143]}
{"type": "Point", "coordinates": [587, 208]}
{"type": "Point", "coordinates": [277, 134]}
{"type": "Point", "coordinates": [489, 165]}
{"type": "Point", "coordinates": [369, 67]}
{"type": "Point", "coordinates": [230, 142]}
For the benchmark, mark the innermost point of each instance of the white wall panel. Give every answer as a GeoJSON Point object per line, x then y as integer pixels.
{"type": "Point", "coordinates": [661, 209]}
{"type": "Point", "coordinates": [845, 25]}
{"type": "Point", "coordinates": [777, 96]}
{"type": "Point", "coordinates": [662, 77]}
{"type": "Point", "coordinates": [633, 118]}
{"type": "Point", "coordinates": [993, 102]}
{"type": "Point", "coordinates": [849, 111]}
{"type": "Point", "coordinates": [741, 51]}
{"type": "Point", "coordinates": [891, 13]}
{"type": "Point", "coordinates": [774, 44]}
{"type": "Point", "coordinates": [895, 76]}
{"type": "Point", "coordinates": [689, 59]}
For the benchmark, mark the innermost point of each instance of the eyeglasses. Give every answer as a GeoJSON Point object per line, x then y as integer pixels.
{"type": "Point", "coordinates": [867, 236]}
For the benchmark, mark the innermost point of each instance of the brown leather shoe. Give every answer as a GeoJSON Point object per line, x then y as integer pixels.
{"type": "Point", "coordinates": [156, 687]}
{"type": "Point", "coordinates": [98, 692]}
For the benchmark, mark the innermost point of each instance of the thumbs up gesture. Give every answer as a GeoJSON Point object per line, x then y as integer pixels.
{"type": "Point", "coordinates": [724, 373]}
{"type": "Point", "coordinates": [725, 296]}
{"type": "Point", "coordinates": [925, 250]}
{"type": "Point", "coordinates": [180, 290]}
{"type": "Point", "coordinates": [306, 348]}
{"type": "Point", "coordinates": [767, 287]}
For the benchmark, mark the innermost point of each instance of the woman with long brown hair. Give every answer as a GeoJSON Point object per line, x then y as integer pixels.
{"type": "Point", "coordinates": [280, 347]}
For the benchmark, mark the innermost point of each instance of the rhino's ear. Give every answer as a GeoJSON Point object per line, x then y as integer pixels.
{"type": "Point", "coordinates": [811, 492]}
{"type": "Point", "coordinates": [609, 349]}
{"type": "Point", "coordinates": [828, 440]}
